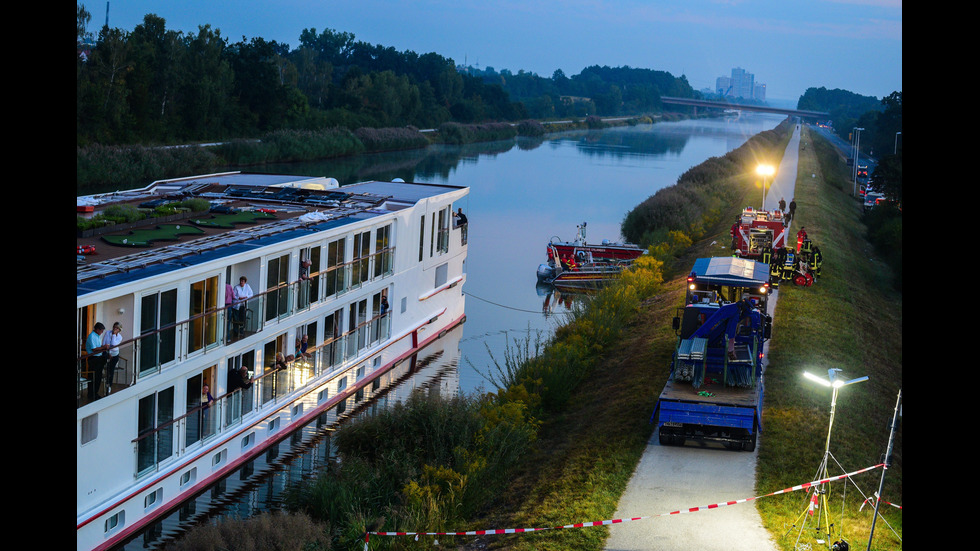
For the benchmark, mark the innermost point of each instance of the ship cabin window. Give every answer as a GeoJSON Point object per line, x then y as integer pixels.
{"type": "Point", "coordinates": [307, 290]}
{"type": "Point", "coordinates": [404, 304]}
{"type": "Point", "coordinates": [332, 348]}
{"type": "Point", "coordinates": [334, 280]}
{"type": "Point", "coordinates": [158, 330]}
{"type": "Point", "coordinates": [218, 458]}
{"type": "Point", "coordinates": [440, 232]}
{"type": "Point", "coordinates": [383, 257]}
{"type": "Point", "coordinates": [442, 275]}
{"type": "Point", "coordinates": [342, 384]}
{"type": "Point", "coordinates": [360, 264]}
{"type": "Point", "coordinates": [200, 423]}
{"type": "Point", "coordinates": [297, 410]}
{"type": "Point", "coordinates": [248, 440]}
{"type": "Point", "coordinates": [277, 290]}
{"type": "Point", "coordinates": [115, 522]}
{"type": "Point", "coordinates": [203, 324]}
{"type": "Point", "coordinates": [274, 382]}
{"type": "Point", "coordinates": [153, 498]}
{"type": "Point", "coordinates": [421, 237]}
{"type": "Point", "coordinates": [188, 477]}
{"type": "Point", "coordinates": [155, 444]}
{"type": "Point", "coordinates": [274, 425]}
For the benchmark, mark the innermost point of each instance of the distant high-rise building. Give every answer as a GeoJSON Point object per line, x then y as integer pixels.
{"type": "Point", "coordinates": [740, 85]}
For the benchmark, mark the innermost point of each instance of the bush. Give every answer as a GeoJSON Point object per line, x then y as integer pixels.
{"type": "Point", "coordinates": [292, 532]}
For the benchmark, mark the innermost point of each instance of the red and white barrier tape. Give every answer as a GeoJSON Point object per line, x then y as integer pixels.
{"type": "Point", "coordinates": [620, 520]}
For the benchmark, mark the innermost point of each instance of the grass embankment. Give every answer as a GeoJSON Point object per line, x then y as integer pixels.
{"type": "Point", "coordinates": [850, 319]}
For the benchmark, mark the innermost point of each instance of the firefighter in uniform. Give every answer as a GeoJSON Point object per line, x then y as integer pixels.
{"type": "Point", "coordinates": [817, 261]}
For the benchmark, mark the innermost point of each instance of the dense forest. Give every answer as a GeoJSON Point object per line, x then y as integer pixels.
{"type": "Point", "coordinates": [155, 85]}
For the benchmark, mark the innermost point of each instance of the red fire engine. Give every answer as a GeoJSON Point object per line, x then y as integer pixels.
{"type": "Point", "coordinates": [756, 230]}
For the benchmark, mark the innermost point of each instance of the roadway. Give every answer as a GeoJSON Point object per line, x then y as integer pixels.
{"type": "Point", "coordinates": [677, 478]}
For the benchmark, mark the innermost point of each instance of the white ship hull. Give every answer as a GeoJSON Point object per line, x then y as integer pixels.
{"type": "Point", "coordinates": [147, 446]}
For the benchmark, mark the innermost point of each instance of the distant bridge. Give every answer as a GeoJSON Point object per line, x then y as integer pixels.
{"type": "Point", "coordinates": [725, 105]}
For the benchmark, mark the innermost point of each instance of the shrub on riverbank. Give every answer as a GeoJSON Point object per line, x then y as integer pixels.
{"type": "Point", "coordinates": [390, 139]}
{"type": "Point", "coordinates": [456, 133]}
{"type": "Point", "coordinates": [99, 166]}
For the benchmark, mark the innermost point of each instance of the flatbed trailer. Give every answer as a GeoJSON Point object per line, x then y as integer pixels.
{"type": "Point", "coordinates": [715, 388]}
{"type": "Point", "coordinates": [730, 415]}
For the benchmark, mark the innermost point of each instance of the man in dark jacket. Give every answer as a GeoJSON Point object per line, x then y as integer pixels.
{"type": "Point", "coordinates": [238, 378]}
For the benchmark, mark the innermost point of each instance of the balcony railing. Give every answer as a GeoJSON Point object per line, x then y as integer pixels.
{"type": "Point", "coordinates": [163, 347]}
{"type": "Point", "coordinates": [202, 423]}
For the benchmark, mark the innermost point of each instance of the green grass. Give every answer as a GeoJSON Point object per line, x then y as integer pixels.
{"type": "Point", "coordinates": [143, 237]}
{"type": "Point", "coordinates": [850, 319]}
{"type": "Point", "coordinates": [229, 220]}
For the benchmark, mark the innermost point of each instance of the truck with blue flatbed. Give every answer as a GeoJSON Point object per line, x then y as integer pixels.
{"type": "Point", "coordinates": [715, 388]}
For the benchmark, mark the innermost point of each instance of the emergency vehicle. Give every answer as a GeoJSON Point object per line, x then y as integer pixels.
{"type": "Point", "coordinates": [756, 231]}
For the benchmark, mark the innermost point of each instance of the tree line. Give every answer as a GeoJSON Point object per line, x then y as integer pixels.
{"type": "Point", "coordinates": [155, 85]}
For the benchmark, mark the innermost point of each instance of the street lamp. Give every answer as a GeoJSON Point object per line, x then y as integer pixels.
{"type": "Point", "coordinates": [835, 384]}
{"type": "Point", "coordinates": [857, 157]}
{"type": "Point", "coordinates": [764, 171]}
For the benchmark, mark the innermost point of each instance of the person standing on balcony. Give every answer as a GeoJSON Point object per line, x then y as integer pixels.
{"type": "Point", "coordinates": [96, 361]}
{"type": "Point", "coordinates": [111, 340]}
{"type": "Point", "coordinates": [461, 223]}
{"type": "Point", "coordinates": [241, 293]}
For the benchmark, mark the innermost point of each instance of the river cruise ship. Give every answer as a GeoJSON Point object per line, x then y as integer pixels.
{"type": "Point", "coordinates": [206, 338]}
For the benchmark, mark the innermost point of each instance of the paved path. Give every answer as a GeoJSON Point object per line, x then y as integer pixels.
{"type": "Point", "coordinates": [671, 478]}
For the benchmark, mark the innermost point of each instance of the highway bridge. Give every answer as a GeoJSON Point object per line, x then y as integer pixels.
{"type": "Point", "coordinates": [725, 105]}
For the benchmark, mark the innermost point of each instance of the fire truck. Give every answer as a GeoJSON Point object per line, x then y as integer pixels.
{"type": "Point", "coordinates": [755, 231]}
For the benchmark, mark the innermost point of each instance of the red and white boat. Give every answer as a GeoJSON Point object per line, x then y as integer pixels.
{"type": "Point", "coordinates": [579, 249]}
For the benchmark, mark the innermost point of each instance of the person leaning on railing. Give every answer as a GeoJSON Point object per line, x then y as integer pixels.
{"type": "Point", "coordinates": [96, 360]}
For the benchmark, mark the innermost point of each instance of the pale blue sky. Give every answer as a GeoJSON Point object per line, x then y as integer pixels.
{"type": "Point", "coordinates": [789, 45]}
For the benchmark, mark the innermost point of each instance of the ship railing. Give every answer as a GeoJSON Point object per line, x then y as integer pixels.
{"type": "Point", "coordinates": [160, 347]}
{"type": "Point", "coordinates": [202, 422]}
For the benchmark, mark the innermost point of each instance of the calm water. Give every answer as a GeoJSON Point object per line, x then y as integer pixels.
{"type": "Point", "coordinates": [522, 192]}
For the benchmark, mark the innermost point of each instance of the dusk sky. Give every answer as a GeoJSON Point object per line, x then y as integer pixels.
{"type": "Point", "coordinates": [789, 45]}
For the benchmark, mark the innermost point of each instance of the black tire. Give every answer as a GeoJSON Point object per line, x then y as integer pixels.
{"type": "Point", "coordinates": [749, 444]}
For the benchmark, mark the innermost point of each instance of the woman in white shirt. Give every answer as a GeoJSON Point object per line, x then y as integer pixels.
{"type": "Point", "coordinates": [112, 340]}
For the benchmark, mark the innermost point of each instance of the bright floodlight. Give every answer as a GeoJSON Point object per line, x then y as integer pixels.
{"type": "Point", "coordinates": [765, 170]}
{"type": "Point", "coordinates": [816, 378]}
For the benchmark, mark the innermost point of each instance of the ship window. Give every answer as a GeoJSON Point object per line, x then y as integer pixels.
{"type": "Point", "coordinates": [203, 325]}
{"type": "Point", "coordinates": [90, 428]}
{"type": "Point", "coordinates": [188, 477]}
{"type": "Point", "coordinates": [274, 425]}
{"type": "Point", "coordinates": [320, 395]}
{"type": "Point", "coordinates": [335, 281]}
{"type": "Point", "coordinates": [153, 498]}
{"type": "Point", "coordinates": [297, 410]}
{"type": "Point", "coordinates": [383, 258]}
{"type": "Point", "coordinates": [404, 304]}
{"type": "Point", "coordinates": [421, 237]}
{"type": "Point", "coordinates": [155, 444]}
{"type": "Point", "coordinates": [248, 440]}
{"type": "Point", "coordinates": [115, 521]}
{"type": "Point", "coordinates": [442, 275]}
{"type": "Point", "coordinates": [342, 384]}
{"type": "Point", "coordinates": [277, 295]}
{"type": "Point", "coordinates": [362, 258]}
{"type": "Point", "coordinates": [158, 330]}
{"type": "Point", "coordinates": [218, 458]}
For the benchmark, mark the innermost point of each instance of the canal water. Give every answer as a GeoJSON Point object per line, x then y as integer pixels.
{"type": "Point", "coordinates": [523, 192]}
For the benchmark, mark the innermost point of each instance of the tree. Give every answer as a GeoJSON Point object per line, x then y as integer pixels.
{"type": "Point", "coordinates": [888, 176]}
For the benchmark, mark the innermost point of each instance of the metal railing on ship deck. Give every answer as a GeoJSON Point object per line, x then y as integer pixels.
{"type": "Point", "coordinates": [160, 348]}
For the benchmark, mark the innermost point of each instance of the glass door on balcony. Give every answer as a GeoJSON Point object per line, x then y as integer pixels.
{"type": "Point", "coordinates": [362, 258]}
{"type": "Point", "coordinates": [203, 325]}
{"type": "Point", "coordinates": [155, 410]}
{"type": "Point", "coordinates": [158, 342]}
{"type": "Point", "coordinates": [277, 297]}
{"type": "Point", "coordinates": [382, 260]}
{"type": "Point", "coordinates": [334, 276]}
